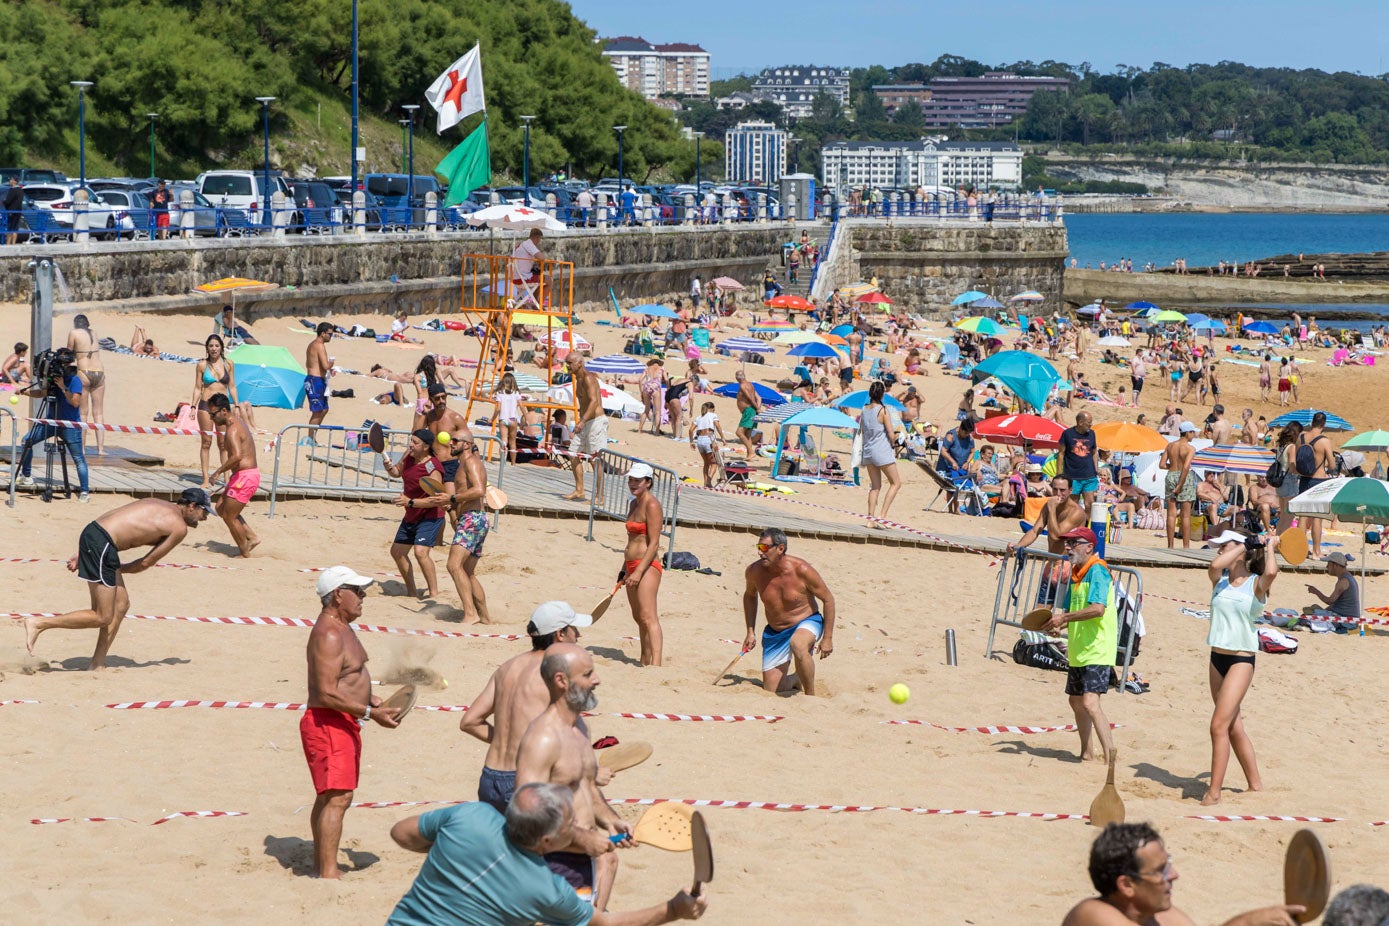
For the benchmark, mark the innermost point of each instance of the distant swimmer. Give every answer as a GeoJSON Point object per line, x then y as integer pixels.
{"type": "Point", "coordinates": [149, 522]}
{"type": "Point", "coordinates": [789, 589]}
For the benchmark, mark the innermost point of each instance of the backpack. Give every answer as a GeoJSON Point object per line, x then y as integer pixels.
{"type": "Point", "coordinates": [1307, 457]}
{"type": "Point", "coordinates": [1276, 473]}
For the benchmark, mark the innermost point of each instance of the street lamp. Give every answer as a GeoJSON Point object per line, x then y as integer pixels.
{"type": "Point", "coordinates": [153, 116]}
{"type": "Point", "coordinates": [698, 197]}
{"type": "Point", "coordinates": [265, 102]}
{"type": "Point", "coordinates": [410, 171]}
{"type": "Point", "coordinates": [526, 163]}
{"type": "Point", "coordinates": [355, 137]}
{"type": "Point", "coordinates": [619, 129]}
{"type": "Point", "coordinates": [81, 86]}
{"type": "Point", "coordinates": [402, 123]}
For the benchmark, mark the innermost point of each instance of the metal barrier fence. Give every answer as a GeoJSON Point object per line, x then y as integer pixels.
{"type": "Point", "coordinates": [951, 208]}
{"type": "Point", "coordinates": [349, 469]}
{"type": "Point", "coordinates": [1036, 578]}
{"type": "Point", "coordinates": [614, 499]}
{"type": "Point", "coordinates": [14, 449]}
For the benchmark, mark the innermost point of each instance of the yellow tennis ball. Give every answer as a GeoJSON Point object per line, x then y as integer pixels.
{"type": "Point", "coordinates": [444, 437]}
{"type": "Point", "coordinates": [899, 693]}
{"type": "Point", "coordinates": [14, 400]}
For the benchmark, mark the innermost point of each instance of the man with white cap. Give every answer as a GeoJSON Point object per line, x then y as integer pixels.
{"type": "Point", "coordinates": [1180, 485]}
{"type": "Point", "coordinates": [340, 703]}
{"type": "Point", "coordinates": [513, 697]}
{"type": "Point", "coordinates": [1344, 598]}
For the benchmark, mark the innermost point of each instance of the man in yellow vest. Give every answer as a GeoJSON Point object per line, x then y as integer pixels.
{"type": "Point", "coordinates": [1092, 637]}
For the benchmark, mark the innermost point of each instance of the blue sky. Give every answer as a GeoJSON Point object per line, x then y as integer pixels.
{"type": "Point", "coordinates": [1339, 35]}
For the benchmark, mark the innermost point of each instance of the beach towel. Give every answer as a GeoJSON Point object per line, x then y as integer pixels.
{"type": "Point", "coordinates": [126, 351]}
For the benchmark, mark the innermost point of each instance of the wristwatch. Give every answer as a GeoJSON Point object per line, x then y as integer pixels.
{"type": "Point", "coordinates": [362, 721]}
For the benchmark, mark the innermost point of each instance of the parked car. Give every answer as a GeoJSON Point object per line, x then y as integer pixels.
{"type": "Point", "coordinates": [133, 204]}
{"type": "Point", "coordinates": [31, 175]}
{"type": "Point", "coordinates": [318, 206]}
{"type": "Point", "coordinates": [102, 184]}
{"type": "Point", "coordinates": [241, 189]}
{"type": "Point", "coordinates": [371, 217]}
{"type": "Point", "coordinates": [56, 198]}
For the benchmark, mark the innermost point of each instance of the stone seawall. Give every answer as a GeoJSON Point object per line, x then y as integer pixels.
{"type": "Point", "coordinates": [1085, 286]}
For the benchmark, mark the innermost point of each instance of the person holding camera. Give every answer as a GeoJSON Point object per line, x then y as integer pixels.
{"type": "Point", "coordinates": [55, 378]}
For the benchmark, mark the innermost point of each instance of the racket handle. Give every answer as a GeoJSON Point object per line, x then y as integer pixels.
{"type": "Point", "coordinates": [616, 838]}
{"type": "Point", "coordinates": [694, 891]}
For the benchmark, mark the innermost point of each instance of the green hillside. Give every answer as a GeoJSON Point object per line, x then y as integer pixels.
{"type": "Point", "coordinates": [201, 63]}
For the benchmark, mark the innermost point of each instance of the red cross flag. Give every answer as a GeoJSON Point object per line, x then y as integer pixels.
{"type": "Point", "coordinates": [457, 93]}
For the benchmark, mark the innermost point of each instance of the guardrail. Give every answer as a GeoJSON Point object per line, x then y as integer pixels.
{"type": "Point", "coordinates": [14, 449]}
{"type": "Point", "coordinates": [349, 469]}
{"type": "Point", "coordinates": [614, 499]}
{"type": "Point", "coordinates": [1007, 208]}
{"type": "Point", "coordinates": [1038, 578]}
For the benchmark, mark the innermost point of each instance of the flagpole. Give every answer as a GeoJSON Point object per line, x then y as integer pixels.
{"type": "Point", "coordinates": [355, 136]}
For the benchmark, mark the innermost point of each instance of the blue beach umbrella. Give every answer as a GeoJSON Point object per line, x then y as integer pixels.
{"type": "Point", "coordinates": [267, 376]}
{"type": "Point", "coordinates": [859, 399]}
{"type": "Point", "coordinates": [1195, 318]}
{"type": "Point", "coordinates": [1212, 324]}
{"type": "Point", "coordinates": [842, 331]}
{"type": "Point", "coordinates": [1141, 304]}
{"type": "Point", "coordinates": [619, 364]}
{"type": "Point", "coordinates": [768, 395]}
{"type": "Point", "coordinates": [652, 309]}
{"type": "Point", "coordinates": [973, 295]}
{"type": "Point", "coordinates": [1304, 418]}
{"type": "Point", "coordinates": [744, 346]}
{"type": "Point", "coordinates": [816, 416]}
{"type": "Point", "coordinates": [1261, 327]}
{"type": "Point", "coordinates": [812, 349]}
{"type": "Point", "coordinates": [1028, 376]}
{"type": "Point", "coordinates": [989, 302]}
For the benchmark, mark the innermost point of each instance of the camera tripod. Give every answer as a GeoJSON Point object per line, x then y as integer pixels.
{"type": "Point", "coordinates": [54, 446]}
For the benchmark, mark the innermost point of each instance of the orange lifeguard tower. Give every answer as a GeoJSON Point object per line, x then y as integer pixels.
{"type": "Point", "coordinates": [496, 298]}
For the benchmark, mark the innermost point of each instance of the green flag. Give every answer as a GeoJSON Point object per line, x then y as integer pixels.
{"type": "Point", "coordinates": [467, 167]}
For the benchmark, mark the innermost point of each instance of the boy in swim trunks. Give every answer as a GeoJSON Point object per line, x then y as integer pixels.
{"type": "Point", "coordinates": [788, 588]}
{"type": "Point", "coordinates": [241, 463]}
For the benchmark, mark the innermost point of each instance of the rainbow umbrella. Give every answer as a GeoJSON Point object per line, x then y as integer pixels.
{"type": "Point", "coordinates": [1030, 295]}
{"type": "Point", "coordinates": [980, 325]}
{"type": "Point", "coordinates": [1234, 458]}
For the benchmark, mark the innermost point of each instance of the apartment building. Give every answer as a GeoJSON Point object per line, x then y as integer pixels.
{"type": "Point", "coordinates": [995, 99]}
{"type": "Point", "coordinates": [676, 69]}
{"type": "Point", "coordinates": [928, 162]}
{"type": "Point", "coordinates": [795, 88]}
{"type": "Point", "coordinates": [754, 152]}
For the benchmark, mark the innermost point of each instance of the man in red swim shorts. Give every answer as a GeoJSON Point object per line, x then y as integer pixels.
{"type": "Point", "coordinates": [340, 704]}
{"type": "Point", "coordinates": [241, 463]}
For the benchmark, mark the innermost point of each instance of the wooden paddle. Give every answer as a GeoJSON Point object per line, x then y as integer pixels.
{"type": "Point", "coordinates": [432, 484]}
{"type": "Point", "coordinates": [1108, 806]}
{"type": "Point", "coordinates": [404, 699]}
{"type": "Point", "coordinates": [494, 498]}
{"type": "Point", "coordinates": [376, 438]}
{"type": "Point", "coordinates": [666, 826]}
{"type": "Point", "coordinates": [624, 755]}
{"type": "Point", "coordinates": [1307, 874]}
{"type": "Point", "coordinates": [703, 853]}
{"type": "Point", "coordinates": [1037, 619]}
{"type": "Point", "coordinates": [602, 607]}
{"type": "Point", "coordinates": [1292, 543]}
{"type": "Point", "coordinates": [742, 651]}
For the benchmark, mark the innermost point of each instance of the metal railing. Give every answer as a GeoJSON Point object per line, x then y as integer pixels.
{"type": "Point", "coordinates": [1007, 208]}
{"type": "Point", "coordinates": [614, 499]}
{"type": "Point", "coordinates": [1036, 578]}
{"type": "Point", "coordinates": [349, 469]}
{"type": "Point", "coordinates": [14, 449]}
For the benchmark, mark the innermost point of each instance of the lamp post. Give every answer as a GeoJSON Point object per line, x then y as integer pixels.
{"type": "Point", "coordinates": [265, 102]}
{"type": "Point", "coordinates": [619, 129]}
{"type": "Point", "coordinates": [410, 157]}
{"type": "Point", "coordinates": [81, 86]}
{"type": "Point", "coordinates": [698, 145]}
{"type": "Point", "coordinates": [355, 137]}
{"type": "Point", "coordinates": [402, 123]}
{"type": "Point", "coordinates": [153, 116]}
{"type": "Point", "coordinates": [526, 161]}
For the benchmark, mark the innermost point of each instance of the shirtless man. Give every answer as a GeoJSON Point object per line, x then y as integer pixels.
{"type": "Point", "coordinates": [318, 367]}
{"type": "Point", "coordinates": [470, 530]}
{"type": "Point", "coordinates": [340, 704]}
{"type": "Point", "coordinates": [438, 417]}
{"type": "Point", "coordinates": [1061, 514]}
{"type": "Point", "coordinates": [749, 406]}
{"type": "Point", "coordinates": [241, 463]}
{"type": "Point", "coordinates": [1171, 420]}
{"type": "Point", "coordinates": [1315, 437]}
{"type": "Point", "coordinates": [1221, 429]}
{"type": "Point", "coordinates": [514, 696]}
{"type": "Point", "coordinates": [148, 522]}
{"type": "Point", "coordinates": [591, 430]}
{"type": "Point", "coordinates": [1180, 486]}
{"type": "Point", "coordinates": [1211, 498]}
{"type": "Point", "coordinates": [789, 588]}
{"type": "Point", "coordinates": [556, 750]}
{"type": "Point", "coordinates": [1264, 499]}
{"type": "Point", "coordinates": [1249, 432]}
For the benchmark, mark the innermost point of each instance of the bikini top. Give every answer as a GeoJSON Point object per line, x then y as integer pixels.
{"type": "Point", "coordinates": [209, 379]}
{"type": "Point", "coordinates": [636, 528]}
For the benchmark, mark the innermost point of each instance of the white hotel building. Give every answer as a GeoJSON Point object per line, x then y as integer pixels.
{"type": "Point", "coordinates": [754, 152]}
{"type": "Point", "coordinates": [928, 162]}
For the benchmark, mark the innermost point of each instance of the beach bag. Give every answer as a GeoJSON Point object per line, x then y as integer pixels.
{"type": "Point", "coordinates": [682, 560]}
{"type": "Point", "coordinates": [1307, 458]}
{"type": "Point", "coordinates": [1275, 641]}
{"type": "Point", "coordinates": [1276, 473]}
{"type": "Point", "coordinates": [1039, 656]}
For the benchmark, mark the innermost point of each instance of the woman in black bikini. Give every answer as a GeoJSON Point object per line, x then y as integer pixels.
{"type": "Point", "coordinates": [82, 342]}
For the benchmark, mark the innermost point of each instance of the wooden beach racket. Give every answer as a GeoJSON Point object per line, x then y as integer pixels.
{"type": "Point", "coordinates": [1037, 619]}
{"type": "Point", "coordinates": [703, 853]}
{"type": "Point", "coordinates": [494, 498]}
{"type": "Point", "coordinates": [1307, 874]}
{"type": "Point", "coordinates": [404, 699]}
{"type": "Point", "coordinates": [602, 607]}
{"type": "Point", "coordinates": [624, 755]}
{"type": "Point", "coordinates": [432, 484]}
{"type": "Point", "coordinates": [729, 668]}
{"type": "Point", "coordinates": [1108, 806]}
{"type": "Point", "coordinates": [376, 438]}
{"type": "Point", "coordinates": [1292, 543]}
{"type": "Point", "coordinates": [666, 826]}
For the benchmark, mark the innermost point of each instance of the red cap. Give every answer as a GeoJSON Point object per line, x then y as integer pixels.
{"type": "Point", "coordinates": [1080, 533]}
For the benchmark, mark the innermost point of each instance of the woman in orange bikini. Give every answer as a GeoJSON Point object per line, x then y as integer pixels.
{"type": "Point", "coordinates": [641, 572]}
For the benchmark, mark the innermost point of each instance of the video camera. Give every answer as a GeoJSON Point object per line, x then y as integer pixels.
{"type": "Point", "coordinates": [53, 367]}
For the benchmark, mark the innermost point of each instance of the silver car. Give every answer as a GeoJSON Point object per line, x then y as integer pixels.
{"type": "Point", "coordinates": [104, 219]}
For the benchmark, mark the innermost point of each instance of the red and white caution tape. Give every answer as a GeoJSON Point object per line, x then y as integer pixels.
{"type": "Point", "coordinates": [1240, 818]}
{"type": "Point", "coordinates": [289, 622]}
{"type": "Point", "coordinates": [1374, 621]}
{"type": "Point", "coordinates": [18, 701]}
{"type": "Point", "coordinates": [27, 560]}
{"type": "Point", "coordinates": [164, 819]}
{"type": "Point", "coordinates": [449, 708]}
{"type": "Point", "coordinates": [718, 718]}
{"type": "Point", "coordinates": [165, 705]}
{"type": "Point", "coordinates": [845, 808]}
{"type": "Point", "coordinates": [1064, 728]}
{"type": "Point", "coordinates": [121, 428]}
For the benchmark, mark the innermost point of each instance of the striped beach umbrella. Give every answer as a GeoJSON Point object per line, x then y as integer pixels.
{"type": "Point", "coordinates": [1234, 458]}
{"type": "Point", "coordinates": [619, 364]}
{"type": "Point", "coordinates": [743, 346]}
{"type": "Point", "coordinates": [980, 325]}
{"type": "Point", "coordinates": [1303, 416]}
{"type": "Point", "coordinates": [1030, 295]}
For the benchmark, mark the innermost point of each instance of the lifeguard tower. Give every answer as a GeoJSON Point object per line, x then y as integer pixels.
{"type": "Point", "coordinates": [496, 299]}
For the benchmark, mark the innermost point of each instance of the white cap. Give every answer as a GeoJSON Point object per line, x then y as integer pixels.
{"type": "Point", "coordinates": [335, 577]}
{"type": "Point", "coordinates": [641, 471]}
{"type": "Point", "coordinates": [1186, 426]}
{"type": "Point", "coordinates": [1225, 536]}
{"type": "Point", "coordinates": [554, 616]}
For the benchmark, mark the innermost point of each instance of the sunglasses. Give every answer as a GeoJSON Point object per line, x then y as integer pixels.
{"type": "Point", "coordinates": [764, 547]}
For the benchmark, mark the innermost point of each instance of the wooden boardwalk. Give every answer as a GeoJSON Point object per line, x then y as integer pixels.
{"type": "Point", "coordinates": [539, 491]}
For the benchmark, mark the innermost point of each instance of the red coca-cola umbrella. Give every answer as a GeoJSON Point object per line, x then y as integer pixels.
{"type": "Point", "coordinates": [1019, 429]}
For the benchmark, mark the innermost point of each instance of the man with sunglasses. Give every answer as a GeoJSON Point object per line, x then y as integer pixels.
{"type": "Point", "coordinates": [789, 588]}
{"type": "Point", "coordinates": [1091, 620]}
{"type": "Point", "coordinates": [1134, 874]}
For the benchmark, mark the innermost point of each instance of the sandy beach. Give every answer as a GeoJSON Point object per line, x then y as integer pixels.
{"type": "Point", "coordinates": [1312, 716]}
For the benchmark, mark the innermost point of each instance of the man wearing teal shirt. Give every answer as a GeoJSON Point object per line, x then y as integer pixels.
{"type": "Point", "coordinates": [1092, 637]}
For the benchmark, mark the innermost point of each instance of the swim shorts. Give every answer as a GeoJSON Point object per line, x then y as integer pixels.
{"type": "Point", "coordinates": [577, 871]}
{"type": "Point", "coordinates": [471, 531]}
{"type": "Point", "coordinates": [1306, 482]}
{"type": "Point", "coordinates": [316, 389]}
{"type": "Point", "coordinates": [704, 443]}
{"type": "Point", "coordinates": [1284, 385]}
{"type": "Point", "coordinates": [98, 560]}
{"type": "Point", "coordinates": [451, 470]}
{"type": "Point", "coordinates": [1081, 486]}
{"type": "Point", "coordinates": [420, 533]}
{"type": "Point", "coordinates": [333, 747]}
{"type": "Point", "coordinates": [593, 436]}
{"type": "Point", "coordinates": [1186, 493]}
{"type": "Point", "coordinates": [242, 485]}
{"type": "Point", "coordinates": [776, 644]}
{"type": "Point", "coordinates": [747, 418]}
{"type": "Point", "coordinates": [1087, 679]}
{"type": "Point", "coordinates": [496, 788]}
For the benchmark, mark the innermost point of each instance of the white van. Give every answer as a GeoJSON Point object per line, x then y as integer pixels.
{"type": "Point", "coordinates": [241, 189]}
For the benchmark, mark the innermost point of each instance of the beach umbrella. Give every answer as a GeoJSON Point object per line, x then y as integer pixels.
{"type": "Point", "coordinates": [616, 364]}
{"type": "Point", "coordinates": [842, 331]}
{"type": "Point", "coordinates": [814, 416]}
{"type": "Point", "coordinates": [773, 325]}
{"type": "Point", "coordinates": [1114, 340]}
{"type": "Point", "coordinates": [771, 414]}
{"type": "Point", "coordinates": [874, 297]}
{"type": "Point", "coordinates": [267, 376]}
{"type": "Point", "coordinates": [1209, 324]}
{"type": "Point", "coordinates": [1194, 318]}
{"type": "Point", "coordinates": [1260, 327]}
{"type": "Point", "coordinates": [980, 325]}
{"type": "Point", "coordinates": [965, 298]}
{"type": "Point", "coordinates": [726, 283]}
{"type": "Point", "coordinates": [1304, 417]}
{"type": "Point", "coordinates": [614, 400]}
{"type": "Point", "coordinates": [857, 289]}
{"type": "Point", "coordinates": [798, 337]}
{"type": "Point", "coordinates": [509, 216]}
{"type": "Point", "coordinates": [1368, 440]}
{"type": "Point", "coordinates": [1091, 309]}
{"type": "Point", "coordinates": [789, 302]}
{"type": "Point", "coordinates": [812, 349]}
{"type": "Point", "coordinates": [540, 319]}
{"type": "Point", "coordinates": [1351, 498]}
{"type": "Point", "coordinates": [743, 346]}
{"type": "Point", "coordinates": [989, 302]}
{"type": "Point", "coordinates": [653, 310]}
{"type": "Point", "coordinates": [1167, 315]}
{"type": "Point", "coordinates": [1234, 458]}
{"type": "Point", "coordinates": [567, 338]}
{"type": "Point", "coordinates": [768, 395]}
{"type": "Point", "coordinates": [1030, 295]}
{"type": "Point", "coordinates": [859, 398]}
{"type": "Point", "coordinates": [1017, 429]}
{"type": "Point", "coordinates": [1026, 375]}
{"type": "Point", "coordinates": [231, 287]}
{"type": "Point", "coordinates": [1127, 437]}
{"type": "Point", "coordinates": [834, 339]}
{"type": "Point", "coordinates": [1142, 305]}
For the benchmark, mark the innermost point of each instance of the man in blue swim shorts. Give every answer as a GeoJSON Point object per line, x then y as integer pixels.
{"type": "Point", "coordinates": [789, 589]}
{"type": "Point", "coordinates": [317, 366]}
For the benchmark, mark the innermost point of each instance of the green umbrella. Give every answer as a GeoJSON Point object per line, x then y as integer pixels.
{"type": "Point", "coordinates": [980, 325]}
{"type": "Point", "coordinates": [1167, 315]}
{"type": "Point", "coordinates": [1369, 440]}
{"type": "Point", "coordinates": [1350, 498]}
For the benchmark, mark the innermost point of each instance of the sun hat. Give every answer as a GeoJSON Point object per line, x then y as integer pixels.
{"type": "Point", "coordinates": [1224, 537]}
{"type": "Point", "coordinates": [554, 616]}
{"type": "Point", "coordinates": [641, 471]}
{"type": "Point", "coordinates": [335, 577]}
